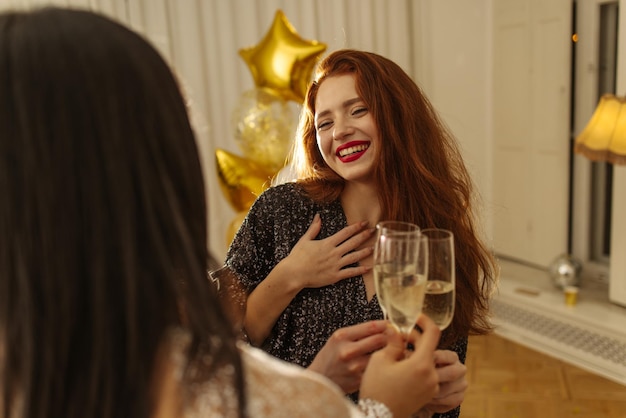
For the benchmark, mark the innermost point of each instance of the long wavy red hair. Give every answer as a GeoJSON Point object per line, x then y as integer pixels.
{"type": "Point", "coordinates": [420, 173]}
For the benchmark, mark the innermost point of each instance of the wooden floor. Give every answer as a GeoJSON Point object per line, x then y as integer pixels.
{"type": "Point", "coordinates": [508, 380]}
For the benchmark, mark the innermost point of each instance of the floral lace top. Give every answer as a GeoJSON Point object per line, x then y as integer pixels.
{"type": "Point", "coordinates": [276, 389]}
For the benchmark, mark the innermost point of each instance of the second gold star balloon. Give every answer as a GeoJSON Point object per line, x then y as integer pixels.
{"type": "Point", "coordinates": [241, 180]}
{"type": "Point", "coordinates": [283, 61]}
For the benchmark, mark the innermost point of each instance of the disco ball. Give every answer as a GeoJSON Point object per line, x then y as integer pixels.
{"type": "Point", "coordinates": [565, 271]}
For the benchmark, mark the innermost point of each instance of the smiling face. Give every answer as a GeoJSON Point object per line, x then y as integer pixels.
{"type": "Point", "coordinates": [347, 136]}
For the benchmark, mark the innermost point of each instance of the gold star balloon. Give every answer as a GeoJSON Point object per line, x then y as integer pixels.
{"type": "Point", "coordinates": [241, 180]}
{"type": "Point", "coordinates": [283, 61]}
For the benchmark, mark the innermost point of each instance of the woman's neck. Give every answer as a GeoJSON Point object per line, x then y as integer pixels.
{"type": "Point", "coordinates": [360, 203]}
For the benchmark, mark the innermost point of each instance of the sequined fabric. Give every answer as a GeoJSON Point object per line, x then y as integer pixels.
{"type": "Point", "coordinates": [274, 224]}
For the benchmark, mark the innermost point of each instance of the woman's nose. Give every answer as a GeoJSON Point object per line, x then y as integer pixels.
{"type": "Point", "coordinates": [341, 129]}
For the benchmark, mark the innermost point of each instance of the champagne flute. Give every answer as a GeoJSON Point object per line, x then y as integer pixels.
{"type": "Point", "coordinates": [399, 289]}
{"type": "Point", "coordinates": [440, 286]}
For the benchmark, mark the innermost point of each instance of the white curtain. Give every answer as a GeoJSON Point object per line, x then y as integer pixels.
{"type": "Point", "coordinates": [201, 40]}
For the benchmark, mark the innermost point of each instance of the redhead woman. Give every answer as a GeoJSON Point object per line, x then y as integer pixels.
{"type": "Point", "coordinates": [369, 147]}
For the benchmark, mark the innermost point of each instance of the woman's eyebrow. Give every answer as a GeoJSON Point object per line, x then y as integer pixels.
{"type": "Point", "coordinates": [345, 104]}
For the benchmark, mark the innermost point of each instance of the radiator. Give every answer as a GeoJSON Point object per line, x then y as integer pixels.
{"type": "Point", "coordinates": [590, 335]}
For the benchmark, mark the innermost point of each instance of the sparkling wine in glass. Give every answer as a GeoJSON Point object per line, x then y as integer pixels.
{"type": "Point", "coordinates": [440, 288]}
{"type": "Point", "coordinates": [399, 289]}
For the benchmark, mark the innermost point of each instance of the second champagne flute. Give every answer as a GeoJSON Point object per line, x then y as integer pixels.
{"type": "Point", "coordinates": [440, 286]}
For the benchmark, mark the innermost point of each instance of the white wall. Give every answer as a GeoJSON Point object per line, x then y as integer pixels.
{"type": "Point", "coordinates": [459, 84]}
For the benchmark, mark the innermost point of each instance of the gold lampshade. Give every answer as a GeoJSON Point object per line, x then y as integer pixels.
{"type": "Point", "coordinates": [604, 137]}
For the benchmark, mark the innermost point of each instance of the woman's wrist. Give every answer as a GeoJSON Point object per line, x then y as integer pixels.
{"type": "Point", "coordinates": [288, 277]}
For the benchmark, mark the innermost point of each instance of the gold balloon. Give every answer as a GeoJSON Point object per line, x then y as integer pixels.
{"type": "Point", "coordinates": [264, 125]}
{"type": "Point", "coordinates": [283, 61]}
{"type": "Point", "coordinates": [241, 180]}
{"type": "Point", "coordinates": [234, 226]}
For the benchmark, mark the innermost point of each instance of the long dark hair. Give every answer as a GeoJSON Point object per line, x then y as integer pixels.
{"type": "Point", "coordinates": [102, 222]}
{"type": "Point", "coordinates": [420, 173]}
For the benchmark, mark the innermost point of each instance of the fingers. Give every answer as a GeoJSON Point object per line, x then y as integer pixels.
{"type": "Point", "coordinates": [390, 374]}
{"type": "Point", "coordinates": [396, 345]}
{"type": "Point", "coordinates": [428, 340]}
{"type": "Point", "coordinates": [446, 400]}
{"type": "Point", "coordinates": [452, 381]}
{"type": "Point", "coordinates": [352, 257]}
{"type": "Point", "coordinates": [443, 357]}
{"type": "Point", "coordinates": [348, 235]}
{"type": "Point", "coordinates": [451, 392]}
{"type": "Point", "coordinates": [345, 356]}
{"type": "Point", "coordinates": [453, 372]}
{"type": "Point", "coordinates": [315, 227]}
{"type": "Point", "coordinates": [359, 340]}
{"type": "Point", "coordinates": [359, 331]}
{"type": "Point", "coordinates": [345, 242]}
{"type": "Point", "coordinates": [347, 272]}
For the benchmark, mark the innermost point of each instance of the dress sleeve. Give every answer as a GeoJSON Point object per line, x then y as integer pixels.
{"type": "Point", "coordinates": [251, 253]}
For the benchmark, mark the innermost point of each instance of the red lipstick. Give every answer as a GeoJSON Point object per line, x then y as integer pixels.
{"type": "Point", "coordinates": [352, 150]}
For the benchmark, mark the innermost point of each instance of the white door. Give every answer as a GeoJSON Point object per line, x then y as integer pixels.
{"type": "Point", "coordinates": [531, 127]}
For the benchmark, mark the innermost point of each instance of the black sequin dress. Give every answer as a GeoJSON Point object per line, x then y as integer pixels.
{"type": "Point", "coordinates": [274, 224]}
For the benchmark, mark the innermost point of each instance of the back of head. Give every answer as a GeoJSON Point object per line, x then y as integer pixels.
{"type": "Point", "coordinates": [103, 220]}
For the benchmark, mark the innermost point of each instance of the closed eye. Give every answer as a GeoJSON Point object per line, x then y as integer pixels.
{"type": "Point", "coordinates": [359, 111]}
{"type": "Point", "coordinates": [324, 125]}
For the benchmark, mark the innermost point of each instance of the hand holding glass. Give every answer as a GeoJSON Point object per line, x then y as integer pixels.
{"type": "Point", "coordinates": [399, 287]}
{"type": "Point", "coordinates": [440, 286]}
